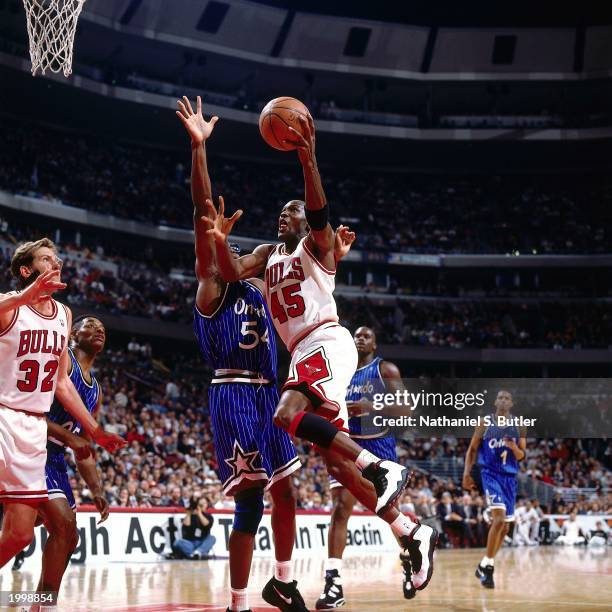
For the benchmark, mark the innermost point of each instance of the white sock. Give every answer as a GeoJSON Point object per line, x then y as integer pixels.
{"type": "Point", "coordinates": [240, 600]}
{"type": "Point", "coordinates": [402, 525]}
{"type": "Point", "coordinates": [365, 458]}
{"type": "Point", "coordinates": [283, 571]}
{"type": "Point", "coordinates": [333, 563]}
{"type": "Point", "coordinates": [487, 561]}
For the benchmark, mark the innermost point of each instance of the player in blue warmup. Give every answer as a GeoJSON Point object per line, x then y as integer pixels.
{"type": "Point", "coordinates": [373, 375]}
{"type": "Point", "coordinates": [497, 452]}
{"type": "Point", "coordinates": [236, 338]}
{"type": "Point", "coordinates": [58, 513]}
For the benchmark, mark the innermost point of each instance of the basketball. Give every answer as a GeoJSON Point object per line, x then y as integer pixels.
{"type": "Point", "coordinates": [277, 117]}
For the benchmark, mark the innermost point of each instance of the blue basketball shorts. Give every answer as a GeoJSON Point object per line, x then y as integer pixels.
{"type": "Point", "coordinates": [248, 444]}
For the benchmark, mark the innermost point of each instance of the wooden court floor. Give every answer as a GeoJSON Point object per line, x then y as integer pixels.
{"type": "Point", "coordinates": [547, 578]}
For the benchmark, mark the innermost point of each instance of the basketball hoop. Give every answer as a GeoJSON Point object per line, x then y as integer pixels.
{"type": "Point", "coordinates": [51, 28]}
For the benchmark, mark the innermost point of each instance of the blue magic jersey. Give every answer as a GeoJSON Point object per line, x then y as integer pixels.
{"type": "Point", "coordinates": [238, 335]}
{"type": "Point", "coordinates": [493, 454]}
{"type": "Point", "coordinates": [89, 392]}
{"type": "Point", "coordinates": [365, 383]}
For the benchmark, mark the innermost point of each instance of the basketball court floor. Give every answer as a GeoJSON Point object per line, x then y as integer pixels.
{"type": "Point", "coordinates": [547, 578]}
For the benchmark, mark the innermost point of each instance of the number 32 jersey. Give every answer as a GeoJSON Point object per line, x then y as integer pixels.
{"type": "Point", "coordinates": [299, 293]}
{"type": "Point", "coordinates": [30, 350]}
{"type": "Point", "coordinates": [238, 335]}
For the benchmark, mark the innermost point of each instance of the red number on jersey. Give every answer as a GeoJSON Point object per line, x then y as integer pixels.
{"type": "Point", "coordinates": [32, 370]}
{"type": "Point", "coordinates": [294, 302]}
{"type": "Point", "coordinates": [30, 382]}
{"type": "Point", "coordinates": [47, 383]}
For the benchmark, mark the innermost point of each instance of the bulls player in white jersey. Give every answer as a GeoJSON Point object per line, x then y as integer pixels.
{"type": "Point", "coordinates": [34, 330]}
{"type": "Point", "coordinates": [299, 285]}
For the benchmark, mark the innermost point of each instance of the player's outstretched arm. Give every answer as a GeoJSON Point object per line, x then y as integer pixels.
{"type": "Point", "coordinates": [321, 236]}
{"type": "Point", "coordinates": [210, 286]}
{"type": "Point", "coordinates": [233, 268]}
{"type": "Point", "coordinates": [470, 458]}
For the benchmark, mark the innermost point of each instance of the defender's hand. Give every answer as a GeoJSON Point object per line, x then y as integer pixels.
{"type": "Point", "coordinates": [110, 441]}
{"type": "Point", "coordinates": [218, 226]}
{"type": "Point", "coordinates": [197, 127]}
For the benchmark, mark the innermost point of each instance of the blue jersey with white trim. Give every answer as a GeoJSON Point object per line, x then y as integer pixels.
{"type": "Point", "coordinates": [493, 454]}
{"type": "Point", "coordinates": [366, 382]}
{"type": "Point", "coordinates": [239, 335]}
{"type": "Point", "coordinates": [89, 392]}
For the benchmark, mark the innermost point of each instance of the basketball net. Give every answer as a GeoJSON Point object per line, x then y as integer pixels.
{"type": "Point", "coordinates": [51, 28]}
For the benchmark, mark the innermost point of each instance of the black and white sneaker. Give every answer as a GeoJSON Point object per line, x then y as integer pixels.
{"type": "Point", "coordinates": [407, 586]}
{"type": "Point", "coordinates": [389, 480]}
{"type": "Point", "coordinates": [420, 546]}
{"type": "Point", "coordinates": [18, 562]}
{"type": "Point", "coordinates": [284, 595]}
{"type": "Point", "coordinates": [249, 610]}
{"type": "Point", "coordinates": [332, 595]}
{"type": "Point", "coordinates": [485, 575]}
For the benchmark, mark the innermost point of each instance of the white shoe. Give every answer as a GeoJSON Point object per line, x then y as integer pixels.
{"type": "Point", "coordinates": [389, 480]}
{"type": "Point", "coordinates": [421, 552]}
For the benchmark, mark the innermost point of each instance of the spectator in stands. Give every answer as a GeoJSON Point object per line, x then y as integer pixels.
{"type": "Point", "coordinates": [452, 519]}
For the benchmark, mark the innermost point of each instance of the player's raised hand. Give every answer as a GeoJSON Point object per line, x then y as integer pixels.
{"type": "Point", "coordinates": [343, 240]}
{"type": "Point", "coordinates": [304, 141]}
{"type": "Point", "coordinates": [218, 226]}
{"type": "Point", "coordinates": [197, 127]}
{"type": "Point", "coordinates": [46, 284]}
{"type": "Point", "coordinates": [110, 441]}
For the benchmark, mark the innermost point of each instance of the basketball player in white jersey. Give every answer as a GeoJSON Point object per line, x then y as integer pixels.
{"type": "Point", "coordinates": [299, 285]}
{"type": "Point", "coordinates": [34, 329]}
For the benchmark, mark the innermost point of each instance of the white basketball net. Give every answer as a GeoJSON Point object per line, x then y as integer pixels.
{"type": "Point", "coordinates": [51, 28]}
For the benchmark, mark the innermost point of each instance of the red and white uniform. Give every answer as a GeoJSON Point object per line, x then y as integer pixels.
{"type": "Point", "coordinates": [30, 351]}
{"type": "Point", "coordinates": [299, 294]}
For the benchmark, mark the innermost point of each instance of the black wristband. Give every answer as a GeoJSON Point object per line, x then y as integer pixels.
{"type": "Point", "coordinates": [318, 219]}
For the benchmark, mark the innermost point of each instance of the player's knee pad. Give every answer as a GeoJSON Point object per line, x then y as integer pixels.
{"type": "Point", "coordinates": [248, 512]}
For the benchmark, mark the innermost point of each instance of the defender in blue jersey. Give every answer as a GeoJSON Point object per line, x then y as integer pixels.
{"type": "Point", "coordinates": [236, 338]}
{"type": "Point", "coordinates": [87, 340]}
{"type": "Point", "coordinates": [496, 451]}
{"type": "Point", "coordinates": [373, 375]}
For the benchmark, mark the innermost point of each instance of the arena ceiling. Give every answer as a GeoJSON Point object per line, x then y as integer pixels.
{"type": "Point", "coordinates": [453, 13]}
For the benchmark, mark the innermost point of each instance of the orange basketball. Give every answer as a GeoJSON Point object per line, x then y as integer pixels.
{"type": "Point", "coordinates": [277, 116]}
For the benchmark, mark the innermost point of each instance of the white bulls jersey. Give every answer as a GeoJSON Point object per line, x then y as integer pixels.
{"type": "Point", "coordinates": [299, 293]}
{"type": "Point", "coordinates": [30, 350]}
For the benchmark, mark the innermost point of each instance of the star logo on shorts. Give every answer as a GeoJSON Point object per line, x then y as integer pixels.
{"type": "Point", "coordinates": [242, 462]}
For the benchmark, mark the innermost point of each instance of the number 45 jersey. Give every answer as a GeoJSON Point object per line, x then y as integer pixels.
{"type": "Point", "coordinates": [299, 292]}
{"type": "Point", "coordinates": [237, 340]}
